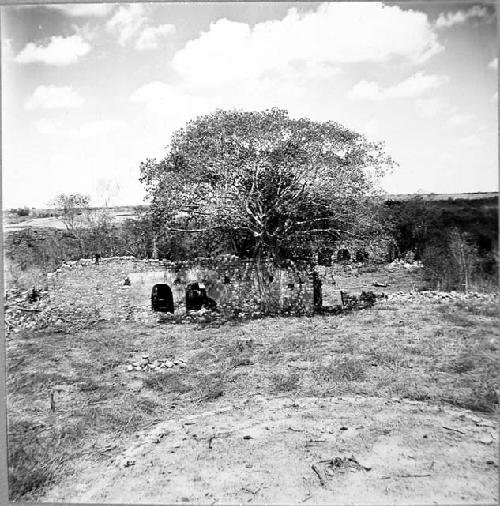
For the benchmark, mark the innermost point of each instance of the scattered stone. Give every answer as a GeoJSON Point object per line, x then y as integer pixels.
{"type": "Point", "coordinates": [156, 365]}
{"type": "Point", "coordinates": [126, 462]}
{"type": "Point", "coordinates": [486, 439]}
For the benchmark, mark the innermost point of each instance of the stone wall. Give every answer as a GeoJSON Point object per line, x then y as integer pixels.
{"type": "Point", "coordinates": [101, 289]}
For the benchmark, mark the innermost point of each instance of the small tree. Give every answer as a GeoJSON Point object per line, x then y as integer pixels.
{"type": "Point", "coordinates": [451, 263]}
{"type": "Point", "coordinates": [72, 209]}
{"type": "Point", "coordinates": [465, 256]}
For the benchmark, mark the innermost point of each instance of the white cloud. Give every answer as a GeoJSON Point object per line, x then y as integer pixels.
{"type": "Point", "coordinates": [53, 97]}
{"type": "Point", "coordinates": [493, 64]}
{"type": "Point", "coordinates": [471, 141]}
{"type": "Point", "coordinates": [495, 96]}
{"type": "Point", "coordinates": [83, 10]}
{"type": "Point", "coordinates": [428, 107]}
{"type": "Point", "coordinates": [334, 33]}
{"type": "Point", "coordinates": [96, 128]}
{"type": "Point", "coordinates": [413, 86]}
{"type": "Point", "coordinates": [150, 36]}
{"type": "Point", "coordinates": [176, 106]}
{"type": "Point", "coordinates": [59, 51]}
{"type": "Point", "coordinates": [47, 126]}
{"type": "Point", "coordinates": [448, 19]}
{"type": "Point", "coordinates": [127, 22]}
{"type": "Point", "coordinates": [458, 120]}
{"type": "Point", "coordinates": [371, 128]}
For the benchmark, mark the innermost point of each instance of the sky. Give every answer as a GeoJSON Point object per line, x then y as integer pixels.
{"type": "Point", "coordinates": [91, 90]}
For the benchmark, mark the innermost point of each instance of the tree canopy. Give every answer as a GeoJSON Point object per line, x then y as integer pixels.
{"type": "Point", "coordinates": [280, 183]}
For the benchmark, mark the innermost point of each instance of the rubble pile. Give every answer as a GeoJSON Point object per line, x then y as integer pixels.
{"type": "Point", "coordinates": [145, 364]}
{"type": "Point", "coordinates": [22, 313]}
{"type": "Point", "coordinates": [401, 263]}
{"type": "Point", "coordinates": [441, 296]}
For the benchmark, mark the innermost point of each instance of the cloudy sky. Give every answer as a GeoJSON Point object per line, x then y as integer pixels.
{"type": "Point", "coordinates": [90, 90]}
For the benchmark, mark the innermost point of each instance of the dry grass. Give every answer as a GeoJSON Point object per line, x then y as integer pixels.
{"type": "Point", "coordinates": [437, 352]}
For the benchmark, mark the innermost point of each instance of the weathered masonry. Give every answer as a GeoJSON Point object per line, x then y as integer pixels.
{"type": "Point", "coordinates": [122, 287]}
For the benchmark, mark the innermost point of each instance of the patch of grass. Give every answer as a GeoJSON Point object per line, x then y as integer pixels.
{"type": "Point", "coordinates": [285, 382]}
{"type": "Point", "coordinates": [391, 359]}
{"type": "Point", "coordinates": [31, 466]}
{"type": "Point", "coordinates": [211, 386]}
{"type": "Point", "coordinates": [172, 382]}
{"type": "Point", "coordinates": [342, 369]}
{"type": "Point", "coordinates": [455, 314]}
{"type": "Point", "coordinates": [88, 385]}
{"type": "Point", "coordinates": [149, 406]}
{"type": "Point", "coordinates": [462, 364]}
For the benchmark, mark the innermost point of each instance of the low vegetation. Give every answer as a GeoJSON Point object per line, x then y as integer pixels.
{"type": "Point", "coordinates": [439, 352]}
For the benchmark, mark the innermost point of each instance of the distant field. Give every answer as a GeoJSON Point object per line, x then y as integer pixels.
{"type": "Point", "coordinates": [12, 222]}
{"type": "Point", "coordinates": [443, 196]}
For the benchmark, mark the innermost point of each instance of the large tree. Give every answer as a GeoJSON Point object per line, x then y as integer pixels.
{"type": "Point", "coordinates": [282, 183]}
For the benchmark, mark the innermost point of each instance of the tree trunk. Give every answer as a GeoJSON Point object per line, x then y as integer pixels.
{"type": "Point", "coordinates": [260, 267]}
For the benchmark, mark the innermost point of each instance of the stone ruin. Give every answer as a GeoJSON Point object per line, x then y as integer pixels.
{"type": "Point", "coordinates": [129, 288]}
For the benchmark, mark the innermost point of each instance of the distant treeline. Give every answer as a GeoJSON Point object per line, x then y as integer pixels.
{"type": "Point", "coordinates": [455, 239]}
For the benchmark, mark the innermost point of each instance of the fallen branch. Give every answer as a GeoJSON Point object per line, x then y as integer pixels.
{"type": "Point", "coordinates": [407, 476]}
{"type": "Point", "coordinates": [315, 468]}
{"type": "Point", "coordinates": [251, 491]}
{"type": "Point", "coordinates": [453, 429]}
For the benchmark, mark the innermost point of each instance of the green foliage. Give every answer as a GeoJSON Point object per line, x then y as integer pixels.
{"type": "Point", "coordinates": [264, 183]}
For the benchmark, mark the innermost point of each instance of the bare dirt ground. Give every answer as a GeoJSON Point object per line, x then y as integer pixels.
{"type": "Point", "coordinates": [263, 451]}
{"type": "Point", "coordinates": [395, 404]}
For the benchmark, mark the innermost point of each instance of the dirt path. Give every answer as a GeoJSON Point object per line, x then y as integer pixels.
{"type": "Point", "coordinates": [262, 451]}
